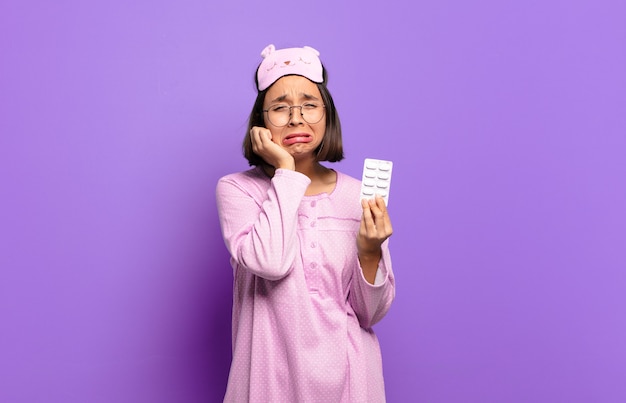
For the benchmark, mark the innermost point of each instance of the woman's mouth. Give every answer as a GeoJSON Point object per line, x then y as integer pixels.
{"type": "Point", "coordinates": [297, 138]}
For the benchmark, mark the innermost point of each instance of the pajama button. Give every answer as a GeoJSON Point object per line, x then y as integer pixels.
{"type": "Point", "coordinates": [313, 245]}
{"type": "Point", "coordinates": [313, 223]}
{"type": "Point", "coordinates": [313, 203]}
{"type": "Point", "coordinates": [313, 265]}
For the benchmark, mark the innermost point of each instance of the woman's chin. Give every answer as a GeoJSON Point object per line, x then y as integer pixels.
{"type": "Point", "coordinates": [301, 150]}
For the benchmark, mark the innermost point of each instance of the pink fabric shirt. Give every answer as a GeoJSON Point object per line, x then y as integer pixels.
{"type": "Point", "coordinates": [302, 310]}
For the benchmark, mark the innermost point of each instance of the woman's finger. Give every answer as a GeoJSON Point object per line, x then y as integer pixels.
{"type": "Point", "coordinates": [377, 213]}
{"type": "Point", "coordinates": [380, 202]}
{"type": "Point", "coordinates": [367, 221]}
{"type": "Point", "coordinates": [256, 139]}
{"type": "Point", "coordinates": [381, 217]}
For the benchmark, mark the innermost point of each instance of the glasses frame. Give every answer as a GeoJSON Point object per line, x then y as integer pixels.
{"type": "Point", "coordinates": [301, 114]}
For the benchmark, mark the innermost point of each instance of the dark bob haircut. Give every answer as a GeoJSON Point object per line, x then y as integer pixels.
{"type": "Point", "coordinates": [331, 148]}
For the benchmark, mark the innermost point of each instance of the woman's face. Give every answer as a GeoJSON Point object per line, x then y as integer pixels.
{"type": "Point", "coordinates": [298, 137]}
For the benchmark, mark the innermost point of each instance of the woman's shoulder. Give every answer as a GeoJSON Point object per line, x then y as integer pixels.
{"type": "Point", "coordinates": [348, 188]}
{"type": "Point", "coordinates": [253, 178]}
{"type": "Point", "coordinates": [343, 202]}
{"type": "Point", "coordinates": [252, 174]}
{"type": "Point", "coordinates": [348, 182]}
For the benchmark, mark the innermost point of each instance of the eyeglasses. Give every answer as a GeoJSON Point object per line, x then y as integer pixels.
{"type": "Point", "coordinates": [280, 115]}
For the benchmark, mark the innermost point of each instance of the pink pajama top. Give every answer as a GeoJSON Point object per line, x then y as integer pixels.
{"type": "Point", "coordinates": [302, 310]}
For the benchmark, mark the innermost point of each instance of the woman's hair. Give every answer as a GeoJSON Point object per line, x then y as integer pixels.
{"type": "Point", "coordinates": [331, 148]}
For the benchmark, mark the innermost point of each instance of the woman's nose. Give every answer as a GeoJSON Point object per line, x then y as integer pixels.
{"type": "Point", "coordinates": [296, 116]}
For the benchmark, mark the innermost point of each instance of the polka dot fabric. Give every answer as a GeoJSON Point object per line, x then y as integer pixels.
{"type": "Point", "coordinates": [302, 310]}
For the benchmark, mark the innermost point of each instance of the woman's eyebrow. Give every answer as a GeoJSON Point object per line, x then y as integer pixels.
{"type": "Point", "coordinates": [286, 96]}
{"type": "Point", "coordinates": [279, 99]}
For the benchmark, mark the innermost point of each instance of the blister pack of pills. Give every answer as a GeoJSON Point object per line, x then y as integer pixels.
{"type": "Point", "coordinates": [376, 179]}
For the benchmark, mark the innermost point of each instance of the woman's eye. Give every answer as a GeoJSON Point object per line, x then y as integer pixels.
{"type": "Point", "coordinates": [309, 106]}
{"type": "Point", "coordinates": [280, 108]}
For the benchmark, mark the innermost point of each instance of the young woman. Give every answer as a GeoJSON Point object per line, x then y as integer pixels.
{"type": "Point", "coordinates": [312, 269]}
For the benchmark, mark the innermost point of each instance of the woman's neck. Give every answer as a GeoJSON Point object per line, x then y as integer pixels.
{"type": "Point", "coordinates": [311, 168]}
{"type": "Point", "coordinates": [323, 180]}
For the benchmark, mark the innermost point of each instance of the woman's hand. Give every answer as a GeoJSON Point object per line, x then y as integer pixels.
{"type": "Point", "coordinates": [374, 230]}
{"type": "Point", "coordinates": [271, 152]}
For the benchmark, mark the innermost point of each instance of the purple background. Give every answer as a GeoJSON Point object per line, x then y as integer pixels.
{"type": "Point", "coordinates": [506, 122]}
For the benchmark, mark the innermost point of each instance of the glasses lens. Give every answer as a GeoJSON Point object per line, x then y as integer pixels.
{"type": "Point", "coordinates": [280, 115]}
{"type": "Point", "coordinates": [312, 112]}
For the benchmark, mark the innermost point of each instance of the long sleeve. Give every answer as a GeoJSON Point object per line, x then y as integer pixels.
{"type": "Point", "coordinates": [372, 301]}
{"type": "Point", "coordinates": [259, 224]}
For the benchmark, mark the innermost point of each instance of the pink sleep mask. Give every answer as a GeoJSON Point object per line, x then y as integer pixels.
{"type": "Point", "coordinates": [291, 61]}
